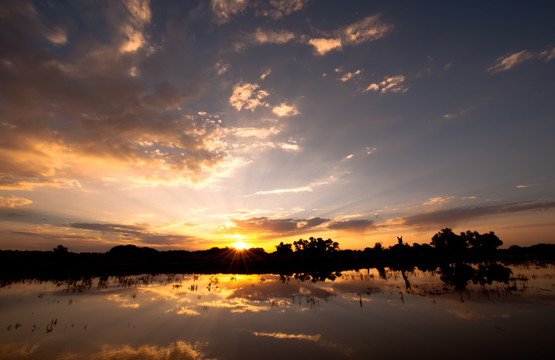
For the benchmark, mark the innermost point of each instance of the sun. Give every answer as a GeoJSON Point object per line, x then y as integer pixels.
{"type": "Point", "coordinates": [239, 245]}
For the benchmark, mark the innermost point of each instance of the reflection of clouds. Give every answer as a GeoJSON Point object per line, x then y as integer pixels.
{"type": "Point", "coordinates": [124, 302]}
{"type": "Point", "coordinates": [465, 315]}
{"type": "Point", "coordinates": [278, 335]}
{"type": "Point", "coordinates": [177, 350]}
{"type": "Point", "coordinates": [187, 311]}
{"type": "Point", "coordinates": [17, 350]}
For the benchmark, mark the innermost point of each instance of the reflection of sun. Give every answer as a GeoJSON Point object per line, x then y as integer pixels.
{"type": "Point", "coordinates": [239, 245]}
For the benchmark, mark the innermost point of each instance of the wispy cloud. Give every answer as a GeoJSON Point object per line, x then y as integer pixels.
{"type": "Point", "coordinates": [352, 225]}
{"type": "Point", "coordinates": [439, 200]}
{"type": "Point", "coordinates": [454, 215]}
{"type": "Point", "coordinates": [510, 61]}
{"type": "Point", "coordinates": [278, 335]}
{"type": "Point", "coordinates": [13, 201]}
{"type": "Point", "coordinates": [366, 30]}
{"type": "Point", "coordinates": [306, 188]}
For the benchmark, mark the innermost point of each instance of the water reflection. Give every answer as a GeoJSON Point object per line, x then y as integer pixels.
{"type": "Point", "coordinates": [384, 312]}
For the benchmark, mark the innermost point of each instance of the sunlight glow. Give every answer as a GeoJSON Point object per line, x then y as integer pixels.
{"type": "Point", "coordinates": [239, 245]}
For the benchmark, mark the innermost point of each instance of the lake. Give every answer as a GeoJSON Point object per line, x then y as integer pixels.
{"type": "Point", "coordinates": [457, 311]}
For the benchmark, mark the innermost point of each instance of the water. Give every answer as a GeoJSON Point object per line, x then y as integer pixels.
{"type": "Point", "coordinates": [458, 312]}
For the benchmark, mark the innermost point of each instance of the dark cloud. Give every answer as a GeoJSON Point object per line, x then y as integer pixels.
{"type": "Point", "coordinates": [452, 216]}
{"type": "Point", "coordinates": [352, 225]}
{"type": "Point", "coordinates": [269, 228]}
{"type": "Point", "coordinates": [117, 228]}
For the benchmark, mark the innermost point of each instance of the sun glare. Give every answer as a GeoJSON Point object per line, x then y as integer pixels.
{"type": "Point", "coordinates": [239, 245]}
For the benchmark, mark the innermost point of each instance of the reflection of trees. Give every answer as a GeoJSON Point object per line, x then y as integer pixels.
{"type": "Point", "coordinates": [458, 275]}
{"type": "Point", "coordinates": [317, 276]}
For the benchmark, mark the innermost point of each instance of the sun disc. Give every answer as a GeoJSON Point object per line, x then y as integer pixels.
{"type": "Point", "coordinates": [239, 245]}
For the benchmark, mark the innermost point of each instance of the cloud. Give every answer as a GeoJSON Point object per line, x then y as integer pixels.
{"type": "Point", "coordinates": [523, 186]}
{"type": "Point", "coordinates": [348, 76]}
{"type": "Point", "coordinates": [79, 114]}
{"type": "Point", "coordinates": [306, 188]}
{"type": "Point", "coordinates": [222, 67]}
{"type": "Point", "coordinates": [247, 96]}
{"type": "Point", "coordinates": [505, 63]}
{"type": "Point", "coordinates": [323, 46]}
{"type": "Point", "coordinates": [285, 110]}
{"type": "Point", "coordinates": [13, 201]}
{"type": "Point", "coordinates": [289, 336]}
{"type": "Point", "coordinates": [438, 200]}
{"type": "Point", "coordinates": [272, 37]}
{"type": "Point", "coordinates": [141, 233]}
{"type": "Point", "coordinates": [393, 84]}
{"type": "Point", "coordinates": [276, 9]}
{"type": "Point", "coordinates": [352, 225]}
{"type": "Point", "coordinates": [177, 350]}
{"type": "Point", "coordinates": [366, 30]}
{"type": "Point", "coordinates": [265, 74]}
{"type": "Point", "coordinates": [265, 227]}
{"type": "Point", "coordinates": [454, 215]}
{"type": "Point", "coordinates": [224, 10]}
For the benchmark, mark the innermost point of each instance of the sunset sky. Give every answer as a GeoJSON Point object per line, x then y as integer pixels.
{"type": "Point", "coordinates": [193, 124]}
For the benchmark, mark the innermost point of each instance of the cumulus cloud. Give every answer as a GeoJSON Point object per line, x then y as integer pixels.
{"type": "Point", "coordinates": [80, 115]}
{"type": "Point", "coordinates": [505, 63]}
{"type": "Point", "coordinates": [285, 110]}
{"type": "Point", "coordinates": [322, 46]}
{"type": "Point", "coordinates": [454, 215]}
{"type": "Point", "coordinates": [393, 84]}
{"type": "Point", "coordinates": [272, 37]}
{"type": "Point", "coordinates": [247, 96]}
{"type": "Point", "coordinates": [348, 76]}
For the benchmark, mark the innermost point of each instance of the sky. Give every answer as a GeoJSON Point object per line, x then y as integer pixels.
{"type": "Point", "coordinates": [194, 124]}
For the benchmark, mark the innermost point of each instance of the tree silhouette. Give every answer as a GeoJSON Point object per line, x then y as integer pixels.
{"type": "Point", "coordinates": [60, 249]}
{"type": "Point", "coordinates": [284, 248]}
{"type": "Point", "coordinates": [446, 240]}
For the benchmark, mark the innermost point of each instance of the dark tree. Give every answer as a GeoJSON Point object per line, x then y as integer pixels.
{"type": "Point", "coordinates": [284, 248]}
{"type": "Point", "coordinates": [60, 249]}
{"type": "Point", "coordinates": [447, 240]}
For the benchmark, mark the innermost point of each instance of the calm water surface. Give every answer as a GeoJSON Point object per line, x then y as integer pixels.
{"type": "Point", "coordinates": [365, 314]}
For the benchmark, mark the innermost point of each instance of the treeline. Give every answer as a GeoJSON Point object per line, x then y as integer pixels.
{"type": "Point", "coordinates": [314, 254]}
